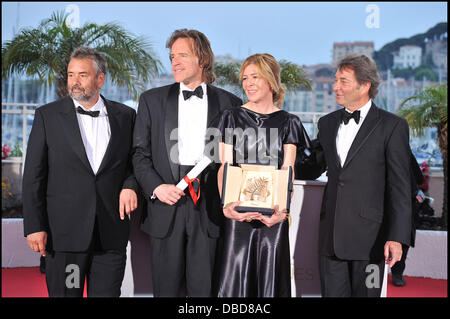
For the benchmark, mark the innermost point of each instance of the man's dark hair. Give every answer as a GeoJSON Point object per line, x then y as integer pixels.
{"type": "Point", "coordinates": [201, 48]}
{"type": "Point", "coordinates": [365, 71]}
{"type": "Point", "coordinates": [85, 52]}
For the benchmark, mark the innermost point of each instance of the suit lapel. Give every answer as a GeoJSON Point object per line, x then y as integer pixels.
{"type": "Point", "coordinates": [114, 140]}
{"type": "Point", "coordinates": [71, 129]}
{"type": "Point", "coordinates": [370, 123]}
{"type": "Point", "coordinates": [213, 105]}
{"type": "Point", "coordinates": [336, 121]}
{"type": "Point", "coordinates": [171, 123]}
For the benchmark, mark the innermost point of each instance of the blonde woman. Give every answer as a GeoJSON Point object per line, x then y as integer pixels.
{"type": "Point", "coordinates": [254, 252]}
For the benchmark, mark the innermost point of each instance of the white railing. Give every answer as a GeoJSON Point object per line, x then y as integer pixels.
{"type": "Point", "coordinates": [23, 108]}
{"type": "Point", "coordinates": [310, 117]}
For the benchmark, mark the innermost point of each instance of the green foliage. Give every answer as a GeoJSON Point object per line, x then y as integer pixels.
{"type": "Point", "coordinates": [424, 71]}
{"type": "Point", "coordinates": [428, 108]}
{"type": "Point", "coordinates": [292, 75]}
{"type": "Point", "coordinates": [45, 52]}
{"type": "Point", "coordinates": [227, 73]}
{"type": "Point", "coordinates": [403, 73]}
{"type": "Point", "coordinates": [418, 73]}
{"type": "Point", "coordinates": [17, 150]}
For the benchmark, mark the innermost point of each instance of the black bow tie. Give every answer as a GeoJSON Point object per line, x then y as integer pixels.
{"type": "Point", "coordinates": [90, 113]}
{"type": "Point", "coordinates": [198, 92]}
{"type": "Point", "coordinates": [346, 116]}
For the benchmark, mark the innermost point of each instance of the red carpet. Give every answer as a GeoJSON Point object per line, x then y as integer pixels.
{"type": "Point", "coordinates": [29, 282]}
{"type": "Point", "coordinates": [418, 287]}
{"type": "Point", "coordinates": [24, 282]}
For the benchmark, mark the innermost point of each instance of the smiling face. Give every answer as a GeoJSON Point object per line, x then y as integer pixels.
{"type": "Point", "coordinates": [349, 93]}
{"type": "Point", "coordinates": [185, 67]}
{"type": "Point", "coordinates": [83, 82]}
{"type": "Point", "coordinates": [256, 88]}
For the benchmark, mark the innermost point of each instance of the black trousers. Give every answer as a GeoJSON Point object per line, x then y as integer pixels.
{"type": "Point", "coordinates": [350, 278]}
{"type": "Point", "coordinates": [103, 271]}
{"type": "Point", "coordinates": [185, 257]}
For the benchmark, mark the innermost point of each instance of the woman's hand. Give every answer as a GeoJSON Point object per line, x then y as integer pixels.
{"type": "Point", "coordinates": [231, 213]}
{"type": "Point", "coordinates": [277, 216]}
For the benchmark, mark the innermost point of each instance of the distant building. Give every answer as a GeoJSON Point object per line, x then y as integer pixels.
{"type": "Point", "coordinates": [341, 49]}
{"type": "Point", "coordinates": [437, 49]}
{"type": "Point", "coordinates": [320, 98]}
{"type": "Point", "coordinates": [393, 91]}
{"type": "Point", "coordinates": [298, 101]}
{"type": "Point", "coordinates": [408, 56]}
{"type": "Point", "coordinates": [324, 99]}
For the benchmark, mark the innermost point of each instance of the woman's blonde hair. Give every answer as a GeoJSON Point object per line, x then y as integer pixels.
{"type": "Point", "coordinates": [269, 70]}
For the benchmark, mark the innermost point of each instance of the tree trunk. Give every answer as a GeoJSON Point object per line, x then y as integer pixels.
{"type": "Point", "coordinates": [61, 90]}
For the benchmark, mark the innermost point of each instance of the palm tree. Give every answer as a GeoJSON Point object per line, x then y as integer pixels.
{"type": "Point", "coordinates": [429, 109]}
{"type": "Point", "coordinates": [45, 52]}
{"type": "Point", "coordinates": [292, 75]}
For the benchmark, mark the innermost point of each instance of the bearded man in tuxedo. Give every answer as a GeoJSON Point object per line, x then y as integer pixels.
{"type": "Point", "coordinates": [78, 184]}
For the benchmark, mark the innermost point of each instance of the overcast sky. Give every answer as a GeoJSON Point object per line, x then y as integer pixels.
{"type": "Point", "coordinates": [301, 32]}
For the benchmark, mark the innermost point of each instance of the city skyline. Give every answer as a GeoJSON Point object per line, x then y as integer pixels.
{"type": "Point", "coordinates": [302, 33]}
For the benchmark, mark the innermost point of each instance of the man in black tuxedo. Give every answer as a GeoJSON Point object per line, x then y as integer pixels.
{"type": "Point", "coordinates": [78, 184]}
{"type": "Point", "coordinates": [169, 139]}
{"type": "Point", "coordinates": [366, 208]}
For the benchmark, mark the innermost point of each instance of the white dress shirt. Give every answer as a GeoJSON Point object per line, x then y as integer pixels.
{"type": "Point", "coordinates": [192, 118]}
{"type": "Point", "coordinates": [347, 133]}
{"type": "Point", "coordinates": [95, 132]}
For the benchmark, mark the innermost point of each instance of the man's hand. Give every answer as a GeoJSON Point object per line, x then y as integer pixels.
{"type": "Point", "coordinates": [277, 216]}
{"type": "Point", "coordinates": [127, 202]}
{"type": "Point", "coordinates": [231, 213]}
{"type": "Point", "coordinates": [168, 193]}
{"type": "Point", "coordinates": [37, 241]}
{"type": "Point", "coordinates": [392, 252]}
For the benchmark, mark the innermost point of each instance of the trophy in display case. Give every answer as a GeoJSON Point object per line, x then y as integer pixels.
{"type": "Point", "coordinates": [259, 188]}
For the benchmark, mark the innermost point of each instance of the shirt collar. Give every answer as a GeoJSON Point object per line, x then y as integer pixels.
{"type": "Point", "coordinates": [99, 106]}
{"type": "Point", "coordinates": [183, 87]}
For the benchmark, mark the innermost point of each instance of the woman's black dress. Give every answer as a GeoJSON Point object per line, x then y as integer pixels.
{"type": "Point", "coordinates": [254, 260]}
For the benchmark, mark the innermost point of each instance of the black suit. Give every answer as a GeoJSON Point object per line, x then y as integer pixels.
{"type": "Point", "coordinates": [157, 117]}
{"type": "Point", "coordinates": [61, 193]}
{"type": "Point", "coordinates": [367, 201]}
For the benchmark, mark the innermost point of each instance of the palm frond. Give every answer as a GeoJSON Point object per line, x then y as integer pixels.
{"type": "Point", "coordinates": [45, 52]}
{"type": "Point", "coordinates": [427, 108]}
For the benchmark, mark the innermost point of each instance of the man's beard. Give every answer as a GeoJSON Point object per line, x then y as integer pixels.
{"type": "Point", "coordinates": [82, 96]}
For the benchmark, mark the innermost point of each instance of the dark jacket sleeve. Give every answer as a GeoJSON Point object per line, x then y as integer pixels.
{"type": "Point", "coordinates": [130, 180]}
{"type": "Point", "coordinates": [310, 161]}
{"type": "Point", "coordinates": [398, 184]}
{"type": "Point", "coordinates": [34, 185]}
{"type": "Point", "coordinates": [144, 171]}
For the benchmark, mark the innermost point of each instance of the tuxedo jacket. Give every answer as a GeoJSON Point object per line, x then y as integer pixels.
{"type": "Point", "coordinates": [157, 117]}
{"type": "Point", "coordinates": [61, 193]}
{"type": "Point", "coordinates": [367, 201]}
